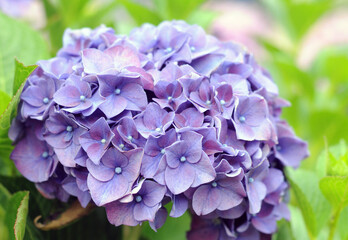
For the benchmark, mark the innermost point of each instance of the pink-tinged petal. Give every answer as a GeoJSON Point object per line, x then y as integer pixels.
{"type": "Point", "coordinates": [100, 172]}
{"type": "Point", "coordinates": [154, 193]}
{"type": "Point", "coordinates": [121, 214]}
{"type": "Point", "coordinates": [149, 165]}
{"type": "Point", "coordinates": [256, 193]}
{"type": "Point", "coordinates": [180, 205]}
{"type": "Point", "coordinates": [94, 150]}
{"type": "Point", "coordinates": [114, 158]}
{"type": "Point", "coordinates": [180, 179]}
{"type": "Point", "coordinates": [106, 192]}
{"type": "Point", "coordinates": [204, 171]}
{"type": "Point", "coordinates": [142, 212]}
{"type": "Point", "coordinates": [266, 225]}
{"type": "Point", "coordinates": [160, 219]}
{"type": "Point", "coordinates": [113, 106]}
{"type": "Point", "coordinates": [95, 61]}
{"type": "Point", "coordinates": [66, 156]}
{"type": "Point", "coordinates": [205, 200]}
{"type": "Point", "coordinates": [122, 57]}
{"type": "Point", "coordinates": [135, 95]}
{"type": "Point", "coordinates": [132, 170]}
{"type": "Point", "coordinates": [68, 96]}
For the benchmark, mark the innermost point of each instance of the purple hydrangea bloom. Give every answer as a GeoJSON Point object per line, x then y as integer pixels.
{"type": "Point", "coordinates": [168, 114]}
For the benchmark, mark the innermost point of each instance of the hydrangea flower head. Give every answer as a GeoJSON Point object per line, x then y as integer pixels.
{"type": "Point", "coordinates": [166, 114]}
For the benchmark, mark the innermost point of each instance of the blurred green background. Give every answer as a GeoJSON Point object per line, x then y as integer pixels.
{"type": "Point", "coordinates": [303, 43]}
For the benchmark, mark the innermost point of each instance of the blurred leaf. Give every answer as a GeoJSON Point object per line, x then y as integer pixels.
{"type": "Point", "coordinates": [297, 223]}
{"type": "Point", "coordinates": [21, 74]}
{"type": "Point", "coordinates": [314, 207]}
{"type": "Point", "coordinates": [17, 40]}
{"type": "Point", "coordinates": [173, 229]}
{"type": "Point", "coordinates": [16, 214]}
{"type": "Point", "coordinates": [335, 189]}
{"type": "Point", "coordinates": [4, 196]}
{"type": "Point", "coordinates": [4, 100]}
{"type": "Point", "coordinates": [140, 13]}
{"type": "Point", "coordinates": [202, 17]}
{"type": "Point", "coordinates": [342, 224]}
{"type": "Point", "coordinates": [182, 9]}
{"type": "Point", "coordinates": [297, 16]}
{"type": "Point", "coordinates": [284, 229]}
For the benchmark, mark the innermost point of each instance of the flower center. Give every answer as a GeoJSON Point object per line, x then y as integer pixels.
{"type": "Point", "coordinates": [45, 154]}
{"type": "Point", "coordinates": [121, 145]}
{"type": "Point", "coordinates": [103, 141]}
{"type": "Point", "coordinates": [208, 102]}
{"type": "Point", "coordinates": [225, 145]}
{"type": "Point", "coordinates": [45, 100]}
{"type": "Point", "coordinates": [214, 184]}
{"type": "Point", "coordinates": [168, 49]}
{"type": "Point", "coordinates": [118, 170]}
{"type": "Point", "coordinates": [183, 159]}
{"type": "Point", "coordinates": [138, 198]}
{"type": "Point", "coordinates": [117, 91]}
{"type": "Point", "coordinates": [250, 180]}
{"type": "Point", "coordinates": [158, 129]}
{"type": "Point", "coordinates": [222, 102]}
{"type": "Point", "coordinates": [163, 151]}
{"type": "Point", "coordinates": [278, 148]}
{"type": "Point", "coordinates": [82, 98]}
{"type": "Point", "coordinates": [193, 48]}
{"type": "Point", "coordinates": [242, 119]}
{"type": "Point", "coordinates": [130, 138]}
{"type": "Point", "coordinates": [169, 98]}
{"type": "Point", "coordinates": [69, 128]}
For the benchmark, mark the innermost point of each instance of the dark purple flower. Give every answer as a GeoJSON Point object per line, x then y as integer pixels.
{"type": "Point", "coordinates": [186, 164]}
{"type": "Point", "coordinates": [121, 93]}
{"type": "Point", "coordinates": [96, 141]}
{"type": "Point", "coordinates": [251, 119]}
{"type": "Point", "coordinates": [76, 97]}
{"type": "Point", "coordinates": [154, 121]}
{"type": "Point", "coordinates": [113, 178]}
{"type": "Point", "coordinates": [34, 158]}
{"type": "Point", "coordinates": [144, 206]}
{"type": "Point", "coordinates": [222, 194]}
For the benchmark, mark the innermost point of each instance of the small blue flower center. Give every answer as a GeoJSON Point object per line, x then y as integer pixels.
{"type": "Point", "coordinates": [169, 98]}
{"type": "Point", "coordinates": [183, 159]}
{"type": "Point", "coordinates": [250, 180]}
{"type": "Point", "coordinates": [193, 48]}
{"type": "Point", "coordinates": [214, 184]}
{"type": "Point", "coordinates": [121, 145]}
{"type": "Point", "coordinates": [117, 91]}
{"type": "Point", "coordinates": [45, 100]}
{"type": "Point", "coordinates": [225, 145]}
{"type": "Point", "coordinates": [242, 119]}
{"type": "Point", "coordinates": [158, 129]}
{"type": "Point", "coordinates": [163, 151]}
{"type": "Point", "coordinates": [168, 49]}
{"type": "Point", "coordinates": [118, 170]}
{"type": "Point", "coordinates": [45, 154]}
{"type": "Point", "coordinates": [208, 102]}
{"type": "Point", "coordinates": [222, 102]}
{"type": "Point", "coordinates": [130, 138]}
{"type": "Point", "coordinates": [82, 98]}
{"type": "Point", "coordinates": [278, 148]}
{"type": "Point", "coordinates": [138, 198]}
{"type": "Point", "coordinates": [103, 141]}
{"type": "Point", "coordinates": [69, 128]}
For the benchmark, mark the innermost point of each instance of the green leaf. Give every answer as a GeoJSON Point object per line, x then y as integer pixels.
{"type": "Point", "coordinates": [4, 196]}
{"type": "Point", "coordinates": [342, 224]}
{"type": "Point", "coordinates": [16, 215]}
{"type": "Point", "coordinates": [173, 229]}
{"type": "Point", "coordinates": [202, 17]}
{"type": "Point", "coordinates": [314, 207]}
{"type": "Point", "coordinates": [284, 230]}
{"type": "Point", "coordinates": [21, 75]}
{"type": "Point", "coordinates": [17, 40]}
{"type": "Point", "coordinates": [335, 189]}
{"type": "Point", "coordinates": [4, 100]}
{"type": "Point", "coordinates": [141, 13]}
{"type": "Point", "coordinates": [297, 223]}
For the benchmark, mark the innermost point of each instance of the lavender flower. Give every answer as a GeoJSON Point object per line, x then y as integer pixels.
{"type": "Point", "coordinates": [169, 114]}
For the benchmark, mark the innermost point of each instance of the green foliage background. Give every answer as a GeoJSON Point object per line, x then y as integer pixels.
{"type": "Point", "coordinates": [319, 193]}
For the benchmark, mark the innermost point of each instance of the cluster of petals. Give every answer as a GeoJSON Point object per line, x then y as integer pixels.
{"type": "Point", "coordinates": [166, 114]}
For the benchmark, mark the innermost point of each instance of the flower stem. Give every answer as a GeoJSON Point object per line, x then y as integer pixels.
{"type": "Point", "coordinates": [333, 222]}
{"type": "Point", "coordinates": [131, 233]}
